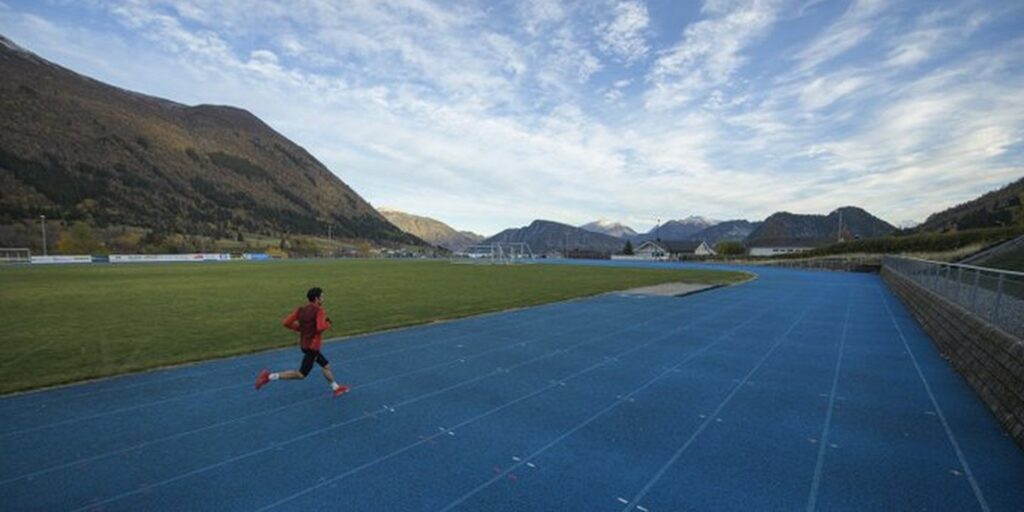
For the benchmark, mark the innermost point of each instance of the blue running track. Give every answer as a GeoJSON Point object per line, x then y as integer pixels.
{"type": "Point", "coordinates": [796, 391]}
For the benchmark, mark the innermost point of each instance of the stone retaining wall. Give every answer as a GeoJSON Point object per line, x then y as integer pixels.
{"type": "Point", "coordinates": [990, 359]}
{"type": "Point", "coordinates": [833, 264]}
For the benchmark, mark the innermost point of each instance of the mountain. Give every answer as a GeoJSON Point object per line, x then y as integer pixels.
{"type": "Point", "coordinates": [610, 228]}
{"type": "Point", "coordinates": [546, 237]}
{"type": "Point", "coordinates": [784, 228]}
{"type": "Point", "coordinates": [430, 230]}
{"type": "Point", "coordinates": [1002, 207]}
{"type": "Point", "coordinates": [682, 229]}
{"type": "Point", "coordinates": [731, 230]}
{"type": "Point", "coordinates": [78, 149]}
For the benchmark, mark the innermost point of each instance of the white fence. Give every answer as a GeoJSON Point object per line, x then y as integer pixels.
{"type": "Point", "coordinates": [79, 259]}
{"type": "Point", "coordinates": [167, 258]}
{"type": "Point", "coordinates": [631, 257]}
{"type": "Point", "coordinates": [995, 296]}
{"type": "Point", "coordinates": [61, 260]}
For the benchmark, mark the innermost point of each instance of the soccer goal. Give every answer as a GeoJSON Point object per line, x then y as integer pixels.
{"type": "Point", "coordinates": [15, 255]}
{"type": "Point", "coordinates": [508, 253]}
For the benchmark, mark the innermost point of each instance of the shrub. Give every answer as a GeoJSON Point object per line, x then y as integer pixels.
{"type": "Point", "coordinates": [730, 248]}
{"type": "Point", "coordinates": [923, 242]}
{"type": "Point", "coordinates": [79, 239]}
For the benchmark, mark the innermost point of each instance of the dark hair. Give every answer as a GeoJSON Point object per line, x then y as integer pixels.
{"type": "Point", "coordinates": [313, 293]}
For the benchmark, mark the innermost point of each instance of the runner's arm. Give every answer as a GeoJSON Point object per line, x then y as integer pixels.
{"type": "Point", "coordinates": [292, 321]}
{"type": "Point", "coordinates": [322, 323]}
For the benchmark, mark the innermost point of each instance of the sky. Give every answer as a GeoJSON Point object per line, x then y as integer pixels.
{"type": "Point", "coordinates": [489, 114]}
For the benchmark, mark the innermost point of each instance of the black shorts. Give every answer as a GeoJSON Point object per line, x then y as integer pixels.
{"type": "Point", "coordinates": [309, 357]}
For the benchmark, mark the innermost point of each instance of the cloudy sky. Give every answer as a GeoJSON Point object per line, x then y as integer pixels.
{"type": "Point", "coordinates": [488, 114]}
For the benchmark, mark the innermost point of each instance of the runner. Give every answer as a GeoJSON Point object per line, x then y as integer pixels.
{"type": "Point", "coordinates": [310, 321]}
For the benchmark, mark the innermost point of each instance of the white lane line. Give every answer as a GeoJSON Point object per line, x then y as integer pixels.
{"type": "Point", "coordinates": [938, 410]}
{"type": "Point", "coordinates": [812, 498]}
{"type": "Point", "coordinates": [600, 413]}
{"type": "Point", "coordinates": [693, 437]}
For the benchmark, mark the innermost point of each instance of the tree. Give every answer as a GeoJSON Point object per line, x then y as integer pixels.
{"type": "Point", "coordinates": [1018, 215]}
{"type": "Point", "coordinates": [126, 242]}
{"type": "Point", "coordinates": [730, 248]}
{"type": "Point", "coordinates": [363, 248]}
{"type": "Point", "coordinates": [78, 240]}
{"type": "Point", "coordinates": [152, 241]}
{"type": "Point", "coordinates": [628, 249]}
{"type": "Point", "coordinates": [303, 247]}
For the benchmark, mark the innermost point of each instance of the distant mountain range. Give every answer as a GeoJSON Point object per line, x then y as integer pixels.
{"type": "Point", "coordinates": [430, 230]}
{"type": "Point", "coordinates": [553, 237]}
{"type": "Point", "coordinates": [74, 148]}
{"type": "Point", "coordinates": [1000, 207]}
{"type": "Point", "coordinates": [610, 228]}
{"type": "Point", "coordinates": [546, 237]}
{"type": "Point", "coordinates": [786, 228]}
{"type": "Point", "coordinates": [728, 231]}
{"type": "Point", "coordinates": [781, 228]}
{"type": "Point", "coordinates": [682, 229]}
{"type": "Point", "coordinates": [691, 228]}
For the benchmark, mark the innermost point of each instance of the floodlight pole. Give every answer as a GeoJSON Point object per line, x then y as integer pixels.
{"type": "Point", "coordinates": [42, 224]}
{"type": "Point", "coordinates": [840, 235]}
{"type": "Point", "coordinates": [657, 238]}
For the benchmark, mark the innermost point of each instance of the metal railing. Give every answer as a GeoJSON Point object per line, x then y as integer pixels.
{"type": "Point", "coordinates": [995, 296]}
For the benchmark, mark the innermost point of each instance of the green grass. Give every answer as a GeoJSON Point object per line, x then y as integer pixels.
{"type": "Point", "coordinates": [64, 324]}
{"type": "Point", "coordinates": [1009, 260]}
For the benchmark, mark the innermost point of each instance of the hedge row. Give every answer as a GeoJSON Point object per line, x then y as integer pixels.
{"type": "Point", "coordinates": [923, 242]}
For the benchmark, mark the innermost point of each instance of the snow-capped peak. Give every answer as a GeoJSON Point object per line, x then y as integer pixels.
{"type": "Point", "coordinates": [609, 227]}
{"type": "Point", "coordinates": [698, 219]}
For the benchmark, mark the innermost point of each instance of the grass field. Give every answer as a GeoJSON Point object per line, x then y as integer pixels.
{"type": "Point", "coordinates": [69, 323]}
{"type": "Point", "coordinates": [1010, 260]}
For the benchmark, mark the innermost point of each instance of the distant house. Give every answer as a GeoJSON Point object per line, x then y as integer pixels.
{"type": "Point", "coordinates": [784, 246]}
{"type": "Point", "coordinates": [672, 250]}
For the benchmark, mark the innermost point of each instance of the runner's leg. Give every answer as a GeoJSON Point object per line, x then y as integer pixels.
{"type": "Point", "coordinates": [308, 356]}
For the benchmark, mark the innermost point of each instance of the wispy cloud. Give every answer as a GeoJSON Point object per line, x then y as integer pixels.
{"type": "Point", "coordinates": [852, 29]}
{"type": "Point", "coordinates": [710, 53]}
{"type": "Point", "coordinates": [934, 33]}
{"type": "Point", "coordinates": [624, 36]}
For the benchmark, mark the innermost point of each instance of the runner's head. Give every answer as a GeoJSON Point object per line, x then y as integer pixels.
{"type": "Point", "coordinates": [314, 294]}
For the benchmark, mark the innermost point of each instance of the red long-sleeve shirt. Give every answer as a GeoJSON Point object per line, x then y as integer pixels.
{"type": "Point", "coordinates": [310, 321]}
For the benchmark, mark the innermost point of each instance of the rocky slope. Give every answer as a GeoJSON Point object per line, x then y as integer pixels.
{"type": "Point", "coordinates": [430, 230]}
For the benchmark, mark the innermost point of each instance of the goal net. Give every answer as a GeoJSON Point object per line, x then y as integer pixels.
{"type": "Point", "coordinates": [495, 254]}
{"type": "Point", "coordinates": [15, 255]}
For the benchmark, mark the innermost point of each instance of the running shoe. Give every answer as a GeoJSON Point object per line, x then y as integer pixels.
{"type": "Point", "coordinates": [262, 379]}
